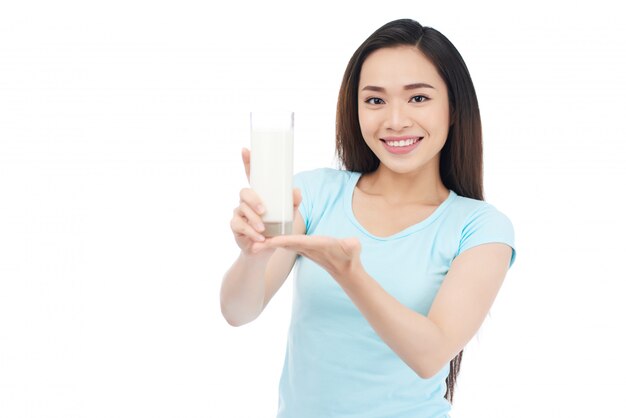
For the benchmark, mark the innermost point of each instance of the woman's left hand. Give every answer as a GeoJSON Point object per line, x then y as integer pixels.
{"type": "Point", "coordinates": [339, 257]}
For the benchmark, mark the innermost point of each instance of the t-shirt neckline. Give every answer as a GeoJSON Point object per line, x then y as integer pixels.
{"type": "Point", "coordinates": [348, 196]}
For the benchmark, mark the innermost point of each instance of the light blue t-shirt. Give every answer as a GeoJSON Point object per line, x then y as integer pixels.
{"type": "Point", "coordinates": [335, 364]}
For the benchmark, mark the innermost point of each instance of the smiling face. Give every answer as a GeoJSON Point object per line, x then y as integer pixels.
{"type": "Point", "coordinates": [403, 109]}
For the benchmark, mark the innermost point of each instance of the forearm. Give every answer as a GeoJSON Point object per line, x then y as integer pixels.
{"type": "Point", "coordinates": [412, 336]}
{"type": "Point", "coordinates": [243, 289]}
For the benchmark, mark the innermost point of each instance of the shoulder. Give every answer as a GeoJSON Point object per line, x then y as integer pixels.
{"type": "Point", "coordinates": [464, 209]}
{"type": "Point", "coordinates": [481, 222]}
{"type": "Point", "coordinates": [322, 180]}
{"type": "Point", "coordinates": [323, 174]}
{"type": "Point", "coordinates": [321, 190]}
{"type": "Point", "coordinates": [471, 210]}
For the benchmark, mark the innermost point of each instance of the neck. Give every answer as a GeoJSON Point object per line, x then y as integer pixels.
{"type": "Point", "coordinates": [420, 187]}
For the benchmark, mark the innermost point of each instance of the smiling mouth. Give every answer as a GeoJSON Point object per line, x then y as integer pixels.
{"type": "Point", "coordinates": [402, 141]}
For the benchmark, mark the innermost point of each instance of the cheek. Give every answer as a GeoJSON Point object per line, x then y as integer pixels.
{"type": "Point", "coordinates": [361, 119]}
{"type": "Point", "coordinates": [369, 123]}
{"type": "Point", "coordinates": [366, 123]}
{"type": "Point", "coordinates": [438, 119]}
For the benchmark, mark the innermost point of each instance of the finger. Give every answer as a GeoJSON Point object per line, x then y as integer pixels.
{"type": "Point", "coordinates": [273, 242]}
{"type": "Point", "coordinates": [297, 243]}
{"type": "Point", "coordinates": [251, 216]}
{"type": "Point", "coordinates": [245, 157]}
{"type": "Point", "coordinates": [257, 247]}
{"type": "Point", "coordinates": [242, 228]}
{"type": "Point", "coordinates": [253, 200]}
{"type": "Point", "coordinates": [280, 242]}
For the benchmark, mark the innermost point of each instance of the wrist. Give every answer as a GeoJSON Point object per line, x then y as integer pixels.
{"type": "Point", "coordinates": [352, 274]}
{"type": "Point", "coordinates": [261, 257]}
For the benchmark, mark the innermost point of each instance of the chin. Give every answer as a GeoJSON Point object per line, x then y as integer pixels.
{"type": "Point", "coordinates": [409, 167]}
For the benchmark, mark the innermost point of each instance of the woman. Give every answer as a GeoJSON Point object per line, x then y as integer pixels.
{"type": "Point", "coordinates": [400, 257]}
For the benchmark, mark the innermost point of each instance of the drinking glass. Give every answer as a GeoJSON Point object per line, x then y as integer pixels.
{"type": "Point", "coordinates": [271, 168]}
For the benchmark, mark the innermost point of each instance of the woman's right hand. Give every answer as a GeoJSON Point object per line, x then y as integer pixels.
{"type": "Point", "coordinates": [247, 224]}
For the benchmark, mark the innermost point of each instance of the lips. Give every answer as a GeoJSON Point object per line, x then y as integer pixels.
{"type": "Point", "coordinates": [402, 145]}
{"type": "Point", "coordinates": [400, 138]}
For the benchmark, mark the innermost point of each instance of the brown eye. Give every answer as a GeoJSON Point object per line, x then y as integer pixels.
{"type": "Point", "coordinates": [419, 99]}
{"type": "Point", "coordinates": [374, 101]}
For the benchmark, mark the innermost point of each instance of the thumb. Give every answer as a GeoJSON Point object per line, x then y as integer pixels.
{"type": "Point", "coordinates": [245, 157]}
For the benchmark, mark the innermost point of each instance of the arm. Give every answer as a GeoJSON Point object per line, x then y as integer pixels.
{"type": "Point", "coordinates": [426, 344]}
{"type": "Point", "coordinates": [258, 272]}
{"type": "Point", "coordinates": [242, 293]}
{"type": "Point", "coordinates": [254, 278]}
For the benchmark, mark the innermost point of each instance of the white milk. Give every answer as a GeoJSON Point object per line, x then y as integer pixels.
{"type": "Point", "coordinates": [271, 177]}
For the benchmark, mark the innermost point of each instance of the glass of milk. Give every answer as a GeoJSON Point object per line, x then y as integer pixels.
{"type": "Point", "coordinates": [271, 168]}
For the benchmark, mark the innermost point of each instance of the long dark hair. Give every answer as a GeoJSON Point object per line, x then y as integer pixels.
{"type": "Point", "coordinates": [461, 159]}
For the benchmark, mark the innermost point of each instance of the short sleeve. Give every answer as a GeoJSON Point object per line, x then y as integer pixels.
{"type": "Point", "coordinates": [486, 225]}
{"type": "Point", "coordinates": [299, 181]}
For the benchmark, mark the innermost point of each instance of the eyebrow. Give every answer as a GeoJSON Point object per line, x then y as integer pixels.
{"type": "Point", "coordinates": [407, 87]}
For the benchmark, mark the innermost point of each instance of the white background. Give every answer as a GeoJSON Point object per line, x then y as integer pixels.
{"type": "Point", "coordinates": [121, 125]}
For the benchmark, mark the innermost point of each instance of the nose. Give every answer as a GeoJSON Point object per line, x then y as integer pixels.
{"type": "Point", "coordinates": [398, 118]}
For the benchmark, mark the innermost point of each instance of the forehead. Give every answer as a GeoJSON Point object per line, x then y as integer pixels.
{"type": "Point", "coordinates": [398, 66]}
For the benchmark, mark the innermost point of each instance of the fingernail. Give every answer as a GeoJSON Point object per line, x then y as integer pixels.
{"type": "Point", "coordinates": [260, 227]}
{"type": "Point", "coordinates": [260, 238]}
{"type": "Point", "coordinates": [260, 208]}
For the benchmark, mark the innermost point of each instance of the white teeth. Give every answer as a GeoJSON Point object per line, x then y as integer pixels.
{"type": "Point", "coordinates": [402, 143]}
